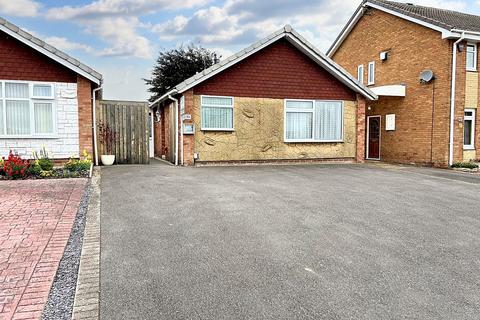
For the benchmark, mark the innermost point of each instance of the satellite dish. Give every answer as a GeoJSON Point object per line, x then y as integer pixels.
{"type": "Point", "coordinates": [426, 76]}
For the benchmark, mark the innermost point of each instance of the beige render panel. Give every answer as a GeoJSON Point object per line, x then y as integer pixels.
{"type": "Point", "coordinates": [258, 135]}
{"type": "Point", "coordinates": [469, 155]}
{"type": "Point", "coordinates": [471, 90]}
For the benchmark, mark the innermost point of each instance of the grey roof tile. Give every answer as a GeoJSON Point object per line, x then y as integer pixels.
{"type": "Point", "coordinates": [446, 19]}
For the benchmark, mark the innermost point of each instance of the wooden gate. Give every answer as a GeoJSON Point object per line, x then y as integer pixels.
{"type": "Point", "coordinates": [130, 121]}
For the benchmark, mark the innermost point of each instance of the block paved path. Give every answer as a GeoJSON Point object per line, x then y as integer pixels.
{"type": "Point", "coordinates": [36, 218]}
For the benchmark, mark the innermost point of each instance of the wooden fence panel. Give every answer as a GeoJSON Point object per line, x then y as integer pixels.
{"type": "Point", "coordinates": [130, 121]}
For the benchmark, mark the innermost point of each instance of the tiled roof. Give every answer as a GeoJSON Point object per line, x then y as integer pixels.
{"type": "Point", "coordinates": [33, 41]}
{"type": "Point", "coordinates": [446, 19]}
{"type": "Point", "coordinates": [286, 32]}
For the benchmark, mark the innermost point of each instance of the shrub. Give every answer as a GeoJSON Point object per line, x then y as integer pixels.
{"type": "Point", "coordinates": [14, 167]}
{"type": "Point", "coordinates": [43, 159]}
{"type": "Point", "coordinates": [35, 169]}
{"type": "Point", "coordinates": [467, 165]}
{"type": "Point", "coordinates": [82, 165]}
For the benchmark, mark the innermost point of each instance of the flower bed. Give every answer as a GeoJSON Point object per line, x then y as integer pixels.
{"type": "Point", "coordinates": [14, 167]}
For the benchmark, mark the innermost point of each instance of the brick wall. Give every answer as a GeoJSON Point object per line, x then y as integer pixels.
{"type": "Point", "coordinates": [20, 62]}
{"type": "Point", "coordinates": [278, 71]}
{"type": "Point", "coordinates": [360, 124]}
{"type": "Point", "coordinates": [189, 140]}
{"type": "Point", "coordinates": [85, 116]}
{"type": "Point", "coordinates": [412, 48]}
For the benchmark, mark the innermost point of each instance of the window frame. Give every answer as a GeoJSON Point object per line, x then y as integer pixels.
{"type": "Point", "coordinates": [203, 128]}
{"type": "Point", "coordinates": [371, 80]}
{"type": "Point", "coordinates": [32, 100]}
{"type": "Point", "coordinates": [472, 129]}
{"type": "Point", "coordinates": [312, 111]}
{"type": "Point", "coordinates": [475, 56]}
{"type": "Point", "coordinates": [360, 77]}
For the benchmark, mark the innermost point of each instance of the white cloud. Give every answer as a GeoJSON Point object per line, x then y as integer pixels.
{"type": "Point", "coordinates": [102, 8]}
{"type": "Point", "coordinates": [19, 8]}
{"type": "Point", "coordinates": [64, 44]}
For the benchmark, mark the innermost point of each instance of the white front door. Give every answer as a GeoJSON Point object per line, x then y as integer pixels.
{"type": "Point", "coordinates": [151, 142]}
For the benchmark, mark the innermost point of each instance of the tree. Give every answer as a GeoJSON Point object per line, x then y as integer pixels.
{"type": "Point", "coordinates": [176, 65]}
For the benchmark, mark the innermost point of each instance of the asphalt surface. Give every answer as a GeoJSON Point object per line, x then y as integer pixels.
{"type": "Point", "coordinates": [289, 242]}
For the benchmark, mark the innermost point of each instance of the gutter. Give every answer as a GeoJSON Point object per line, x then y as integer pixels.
{"type": "Point", "coordinates": [94, 111]}
{"type": "Point", "coordinates": [452, 98]}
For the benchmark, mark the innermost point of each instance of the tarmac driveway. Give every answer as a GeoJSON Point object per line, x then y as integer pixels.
{"type": "Point", "coordinates": [289, 242]}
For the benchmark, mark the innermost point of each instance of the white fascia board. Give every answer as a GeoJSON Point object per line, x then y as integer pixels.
{"type": "Point", "coordinates": [346, 31]}
{"type": "Point", "coordinates": [162, 98]}
{"type": "Point", "coordinates": [230, 63]}
{"type": "Point", "coordinates": [396, 90]}
{"type": "Point", "coordinates": [51, 55]}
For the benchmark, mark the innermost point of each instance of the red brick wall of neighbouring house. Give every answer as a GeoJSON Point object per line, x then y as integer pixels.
{"type": "Point", "coordinates": [412, 49]}
{"type": "Point", "coordinates": [361, 109]}
{"type": "Point", "coordinates": [277, 71]}
{"type": "Point", "coordinates": [20, 62]}
{"type": "Point", "coordinates": [189, 139]}
{"type": "Point", "coordinates": [85, 116]}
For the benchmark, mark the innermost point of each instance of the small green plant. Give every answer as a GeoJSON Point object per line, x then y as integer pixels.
{"type": "Point", "coordinates": [15, 167]}
{"type": "Point", "coordinates": [79, 165]}
{"type": "Point", "coordinates": [43, 159]}
{"type": "Point", "coordinates": [35, 169]}
{"type": "Point", "coordinates": [467, 165]}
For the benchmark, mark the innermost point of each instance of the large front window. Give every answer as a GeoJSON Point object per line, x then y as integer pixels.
{"type": "Point", "coordinates": [26, 109]}
{"type": "Point", "coordinates": [469, 129]}
{"type": "Point", "coordinates": [217, 113]}
{"type": "Point", "coordinates": [313, 121]}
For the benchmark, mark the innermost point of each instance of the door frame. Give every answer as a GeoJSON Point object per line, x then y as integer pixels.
{"type": "Point", "coordinates": [379, 138]}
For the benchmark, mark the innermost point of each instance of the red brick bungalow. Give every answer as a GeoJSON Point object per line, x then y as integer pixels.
{"type": "Point", "coordinates": [45, 97]}
{"type": "Point", "coordinates": [280, 99]}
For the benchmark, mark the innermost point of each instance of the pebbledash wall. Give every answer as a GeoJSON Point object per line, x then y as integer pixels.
{"type": "Point", "coordinates": [65, 143]}
{"type": "Point", "coordinates": [73, 101]}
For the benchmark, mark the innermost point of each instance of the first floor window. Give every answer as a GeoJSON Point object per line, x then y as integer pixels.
{"type": "Point", "coordinates": [217, 113]}
{"type": "Point", "coordinates": [360, 73]}
{"type": "Point", "coordinates": [469, 129]}
{"type": "Point", "coordinates": [26, 109]}
{"type": "Point", "coordinates": [471, 57]}
{"type": "Point", "coordinates": [371, 72]}
{"type": "Point", "coordinates": [313, 121]}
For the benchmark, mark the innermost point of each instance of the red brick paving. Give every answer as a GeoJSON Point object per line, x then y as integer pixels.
{"type": "Point", "coordinates": [36, 217]}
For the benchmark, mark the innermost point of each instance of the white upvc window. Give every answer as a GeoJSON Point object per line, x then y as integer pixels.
{"type": "Point", "coordinates": [371, 73]}
{"type": "Point", "coordinates": [471, 57]}
{"type": "Point", "coordinates": [313, 121]}
{"type": "Point", "coordinates": [360, 73]}
{"type": "Point", "coordinates": [26, 109]}
{"type": "Point", "coordinates": [469, 129]}
{"type": "Point", "coordinates": [217, 113]}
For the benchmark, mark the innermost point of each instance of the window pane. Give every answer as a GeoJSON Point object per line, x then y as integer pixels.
{"type": "Point", "coordinates": [1, 91]}
{"type": "Point", "coordinates": [293, 104]}
{"type": "Point", "coordinates": [18, 117]}
{"type": "Point", "coordinates": [217, 101]}
{"type": "Point", "coordinates": [42, 90]}
{"type": "Point", "coordinates": [467, 132]}
{"type": "Point", "coordinates": [470, 60]}
{"type": "Point", "coordinates": [360, 74]}
{"type": "Point", "coordinates": [2, 129]}
{"type": "Point", "coordinates": [43, 117]}
{"type": "Point", "coordinates": [299, 125]}
{"type": "Point", "coordinates": [217, 118]}
{"type": "Point", "coordinates": [328, 121]}
{"type": "Point", "coordinates": [16, 90]}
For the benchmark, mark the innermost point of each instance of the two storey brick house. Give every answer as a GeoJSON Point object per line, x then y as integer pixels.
{"type": "Point", "coordinates": [422, 62]}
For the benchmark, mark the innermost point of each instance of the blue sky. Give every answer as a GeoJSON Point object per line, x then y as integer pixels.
{"type": "Point", "coordinates": [121, 38]}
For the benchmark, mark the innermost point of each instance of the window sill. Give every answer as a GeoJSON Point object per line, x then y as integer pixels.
{"type": "Point", "coordinates": [472, 70]}
{"type": "Point", "coordinates": [219, 130]}
{"type": "Point", "coordinates": [466, 148]}
{"type": "Point", "coordinates": [313, 141]}
{"type": "Point", "coordinates": [30, 137]}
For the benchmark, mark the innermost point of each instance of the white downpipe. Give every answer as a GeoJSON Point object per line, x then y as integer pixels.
{"type": "Point", "coordinates": [452, 98]}
{"type": "Point", "coordinates": [176, 128]}
{"type": "Point", "coordinates": [94, 107]}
